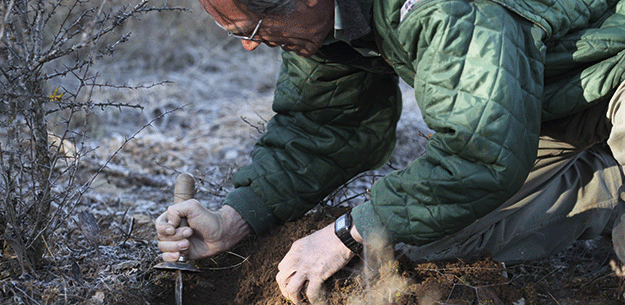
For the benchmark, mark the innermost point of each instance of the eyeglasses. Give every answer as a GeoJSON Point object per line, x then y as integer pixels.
{"type": "Point", "coordinates": [241, 36]}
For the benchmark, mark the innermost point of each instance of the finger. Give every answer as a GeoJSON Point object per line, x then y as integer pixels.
{"type": "Point", "coordinates": [294, 287]}
{"type": "Point", "coordinates": [173, 246]}
{"type": "Point", "coordinates": [173, 215]}
{"type": "Point", "coordinates": [185, 209]}
{"type": "Point", "coordinates": [314, 292]}
{"type": "Point", "coordinates": [178, 234]}
{"type": "Point", "coordinates": [163, 227]}
{"type": "Point", "coordinates": [171, 256]}
{"type": "Point", "coordinates": [283, 279]}
{"type": "Point", "coordinates": [285, 263]}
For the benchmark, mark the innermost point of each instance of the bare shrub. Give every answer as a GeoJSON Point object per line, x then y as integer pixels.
{"type": "Point", "coordinates": [41, 43]}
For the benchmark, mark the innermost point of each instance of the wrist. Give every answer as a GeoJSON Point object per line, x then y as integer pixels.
{"type": "Point", "coordinates": [345, 230]}
{"type": "Point", "coordinates": [247, 204]}
{"type": "Point", "coordinates": [357, 237]}
{"type": "Point", "coordinates": [234, 224]}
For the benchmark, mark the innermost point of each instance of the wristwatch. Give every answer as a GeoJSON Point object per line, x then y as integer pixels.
{"type": "Point", "coordinates": [342, 228]}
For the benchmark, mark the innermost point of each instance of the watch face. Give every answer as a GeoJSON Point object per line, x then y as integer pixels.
{"type": "Point", "coordinates": [340, 223]}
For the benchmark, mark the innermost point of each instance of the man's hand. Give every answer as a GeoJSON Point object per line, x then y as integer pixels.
{"type": "Point", "coordinates": [208, 233]}
{"type": "Point", "coordinates": [312, 259]}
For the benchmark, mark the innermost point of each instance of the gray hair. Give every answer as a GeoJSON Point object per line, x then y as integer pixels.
{"type": "Point", "coordinates": [269, 7]}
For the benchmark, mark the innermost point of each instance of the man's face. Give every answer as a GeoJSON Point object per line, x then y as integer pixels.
{"type": "Point", "coordinates": [302, 31]}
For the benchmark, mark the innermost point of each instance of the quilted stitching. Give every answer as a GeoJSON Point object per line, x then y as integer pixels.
{"type": "Point", "coordinates": [483, 97]}
{"type": "Point", "coordinates": [482, 84]}
{"type": "Point", "coordinates": [327, 115]}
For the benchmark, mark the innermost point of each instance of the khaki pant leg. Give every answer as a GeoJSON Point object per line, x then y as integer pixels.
{"type": "Point", "coordinates": [573, 192]}
{"type": "Point", "coordinates": [616, 115]}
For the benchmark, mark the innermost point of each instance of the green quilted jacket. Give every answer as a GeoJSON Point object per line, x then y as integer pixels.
{"type": "Point", "coordinates": [485, 73]}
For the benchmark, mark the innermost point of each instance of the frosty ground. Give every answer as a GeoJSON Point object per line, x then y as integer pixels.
{"type": "Point", "coordinates": [211, 101]}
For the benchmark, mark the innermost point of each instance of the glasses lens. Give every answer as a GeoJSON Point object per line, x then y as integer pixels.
{"type": "Point", "coordinates": [238, 35]}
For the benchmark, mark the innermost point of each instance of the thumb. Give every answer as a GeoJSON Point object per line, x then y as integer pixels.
{"type": "Point", "coordinates": [183, 210]}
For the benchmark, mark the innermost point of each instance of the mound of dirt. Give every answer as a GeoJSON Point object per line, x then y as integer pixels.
{"type": "Point", "coordinates": [246, 275]}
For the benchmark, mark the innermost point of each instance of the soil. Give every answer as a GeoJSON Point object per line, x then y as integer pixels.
{"type": "Point", "coordinates": [247, 276]}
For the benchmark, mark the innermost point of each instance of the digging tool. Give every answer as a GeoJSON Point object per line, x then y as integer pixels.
{"type": "Point", "coordinates": [183, 190]}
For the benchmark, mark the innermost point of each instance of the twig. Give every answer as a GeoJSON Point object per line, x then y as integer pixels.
{"type": "Point", "coordinates": [5, 19]}
{"type": "Point", "coordinates": [127, 140]}
{"type": "Point", "coordinates": [130, 227]}
{"type": "Point", "coordinates": [554, 299]}
{"type": "Point", "coordinates": [260, 129]}
{"type": "Point", "coordinates": [72, 105]}
{"type": "Point", "coordinates": [548, 274]}
{"type": "Point", "coordinates": [244, 259]}
{"type": "Point", "coordinates": [24, 293]}
{"type": "Point", "coordinates": [20, 252]}
{"type": "Point", "coordinates": [56, 264]}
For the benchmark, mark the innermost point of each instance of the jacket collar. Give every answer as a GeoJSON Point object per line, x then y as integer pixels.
{"type": "Point", "coordinates": [351, 20]}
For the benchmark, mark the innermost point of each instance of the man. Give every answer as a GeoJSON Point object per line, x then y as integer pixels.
{"type": "Point", "coordinates": [524, 98]}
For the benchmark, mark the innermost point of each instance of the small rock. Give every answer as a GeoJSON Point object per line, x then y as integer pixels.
{"type": "Point", "coordinates": [98, 297]}
{"type": "Point", "coordinates": [231, 154]}
{"type": "Point", "coordinates": [142, 219]}
{"type": "Point", "coordinates": [520, 301]}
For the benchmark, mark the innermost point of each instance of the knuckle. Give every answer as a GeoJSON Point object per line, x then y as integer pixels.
{"type": "Point", "coordinates": [298, 244]}
{"type": "Point", "coordinates": [281, 266]}
{"type": "Point", "coordinates": [279, 275]}
{"type": "Point", "coordinates": [170, 256]}
{"type": "Point", "coordinates": [171, 210]}
{"type": "Point", "coordinates": [194, 203]}
{"type": "Point", "coordinates": [292, 291]}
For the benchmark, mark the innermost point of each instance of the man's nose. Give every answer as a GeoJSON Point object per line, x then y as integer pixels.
{"type": "Point", "coordinates": [249, 45]}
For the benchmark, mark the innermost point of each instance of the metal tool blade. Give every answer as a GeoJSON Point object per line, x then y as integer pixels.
{"type": "Point", "coordinates": [176, 266]}
{"type": "Point", "coordinates": [178, 287]}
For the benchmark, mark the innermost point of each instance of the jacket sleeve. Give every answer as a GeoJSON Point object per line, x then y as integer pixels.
{"type": "Point", "coordinates": [332, 122]}
{"type": "Point", "coordinates": [478, 82]}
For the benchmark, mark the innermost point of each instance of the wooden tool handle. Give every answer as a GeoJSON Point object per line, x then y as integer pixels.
{"type": "Point", "coordinates": [184, 188]}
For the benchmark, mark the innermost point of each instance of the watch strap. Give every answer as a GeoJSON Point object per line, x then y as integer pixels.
{"type": "Point", "coordinates": [342, 228]}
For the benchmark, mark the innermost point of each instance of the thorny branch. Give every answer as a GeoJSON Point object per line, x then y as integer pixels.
{"type": "Point", "coordinates": [38, 169]}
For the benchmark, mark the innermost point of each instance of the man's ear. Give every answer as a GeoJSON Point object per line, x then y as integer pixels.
{"type": "Point", "coordinates": [249, 45]}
